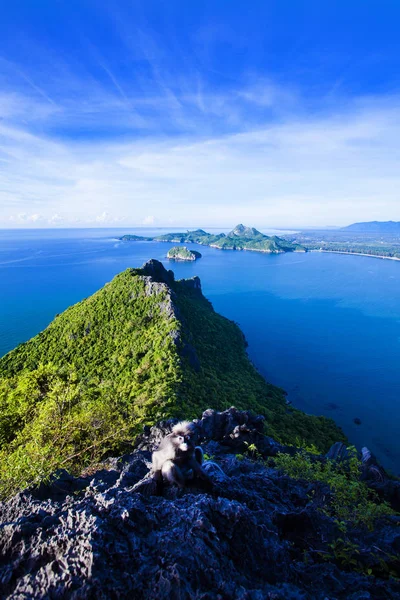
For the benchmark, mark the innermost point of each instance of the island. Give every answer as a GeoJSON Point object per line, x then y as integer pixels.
{"type": "Point", "coordinates": [240, 238]}
{"type": "Point", "coordinates": [182, 253]}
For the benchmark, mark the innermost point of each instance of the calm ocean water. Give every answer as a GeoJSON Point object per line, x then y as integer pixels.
{"type": "Point", "coordinates": [325, 327]}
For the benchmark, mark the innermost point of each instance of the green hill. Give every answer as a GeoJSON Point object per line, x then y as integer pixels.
{"type": "Point", "coordinates": [143, 348]}
{"type": "Point", "coordinates": [240, 238]}
{"type": "Point", "coordinates": [182, 253]}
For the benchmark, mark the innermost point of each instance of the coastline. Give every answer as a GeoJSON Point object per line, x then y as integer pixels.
{"type": "Point", "coordinates": [357, 254]}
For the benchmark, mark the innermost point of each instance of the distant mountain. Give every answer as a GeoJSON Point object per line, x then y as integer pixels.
{"type": "Point", "coordinates": [375, 227]}
{"type": "Point", "coordinates": [240, 238]}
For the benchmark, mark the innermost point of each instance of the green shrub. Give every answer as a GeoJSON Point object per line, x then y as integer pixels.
{"type": "Point", "coordinates": [352, 503]}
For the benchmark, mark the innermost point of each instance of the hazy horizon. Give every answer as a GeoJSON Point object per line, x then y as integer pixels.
{"type": "Point", "coordinates": [166, 226]}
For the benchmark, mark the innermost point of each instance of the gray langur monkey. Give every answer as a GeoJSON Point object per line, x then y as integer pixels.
{"type": "Point", "coordinates": [177, 459]}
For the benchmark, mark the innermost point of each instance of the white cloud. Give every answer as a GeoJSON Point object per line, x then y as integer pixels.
{"type": "Point", "coordinates": [55, 219]}
{"type": "Point", "coordinates": [103, 218]}
{"type": "Point", "coordinates": [328, 168]}
{"type": "Point", "coordinates": [24, 218]}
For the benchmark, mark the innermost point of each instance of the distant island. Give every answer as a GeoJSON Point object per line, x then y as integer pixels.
{"type": "Point", "coordinates": [240, 238]}
{"type": "Point", "coordinates": [374, 227]}
{"type": "Point", "coordinates": [182, 253]}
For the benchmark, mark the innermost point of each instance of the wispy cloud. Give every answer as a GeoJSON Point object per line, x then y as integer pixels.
{"type": "Point", "coordinates": [149, 220]}
{"type": "Point", "coordinates": [138, 140]}
{"type": "Point", "coordinates": [329, 169]}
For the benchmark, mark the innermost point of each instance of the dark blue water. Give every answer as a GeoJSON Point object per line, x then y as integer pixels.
{"type": "Point", "coordinates": [325, 327]}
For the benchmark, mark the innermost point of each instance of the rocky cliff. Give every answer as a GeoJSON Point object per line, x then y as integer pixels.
{"type": "Point", "coordinates": [257, 534]}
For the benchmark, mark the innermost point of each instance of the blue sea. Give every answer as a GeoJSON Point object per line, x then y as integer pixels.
{"type": "Point", "coordinates": [325, 327]}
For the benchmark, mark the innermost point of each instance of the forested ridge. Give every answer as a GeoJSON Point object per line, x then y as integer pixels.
{"type": "Point", "coordinates": [143, 348]}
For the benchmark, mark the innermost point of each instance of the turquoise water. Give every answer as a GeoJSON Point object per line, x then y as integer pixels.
{"type": "Point", "coordinates": [325, 327]}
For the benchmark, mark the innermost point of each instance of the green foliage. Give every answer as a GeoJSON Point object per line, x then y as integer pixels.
{"type": "Point", "coordinates": [348, 555]}
{"type": "Point", "coordinates": [352, 503]}
{"type": "Point", "coordinates": [82, 387]}
{"type": "Point", "coordinates": [306, 446]}
{"type": "Point", "coordinates": [352, 506]}
{"type": "Point", "coordinates": [85, 386]}
{"type": "Point", "coordinates": [251, 452]}
{"type": "Point", "coordinates": [345, 553]}
{"type": "Point", "coordinates": [208, 456]}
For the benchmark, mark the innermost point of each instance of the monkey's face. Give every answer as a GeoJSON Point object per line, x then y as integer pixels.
{"type": "Point", "coordinates": [184, 441]}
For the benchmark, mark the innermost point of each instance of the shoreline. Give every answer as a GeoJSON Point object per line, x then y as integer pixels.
{"type": "Point", "coordinates": [357, 254]}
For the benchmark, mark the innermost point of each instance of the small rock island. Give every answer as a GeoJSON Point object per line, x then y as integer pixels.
{"type": "Point", "coordinates": [182, 253]}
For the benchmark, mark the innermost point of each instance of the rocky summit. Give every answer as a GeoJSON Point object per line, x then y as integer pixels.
{"type": "Point", "coordinates": [257, 534]}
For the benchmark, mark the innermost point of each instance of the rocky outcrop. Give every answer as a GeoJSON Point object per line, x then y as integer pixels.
{"type": "Point", "coordinates": [156, 270]}
{"type": "Point", "coordinates": [160, 281]}
{"type": "Point", "coordinates": [258, 534]}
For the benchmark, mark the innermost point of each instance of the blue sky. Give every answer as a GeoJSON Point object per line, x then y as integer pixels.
{"type": "Point", "coordinates": [199, 113]}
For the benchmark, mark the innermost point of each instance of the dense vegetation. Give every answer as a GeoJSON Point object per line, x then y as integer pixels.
{"type": "Point", "coordinates": [352, 506]}
{"type": "Point", "coordinates": [240, 238]}
{"type": "Point", "coordinates": [351, 503]}
{"type": "Point", "coordinates": [182, 253]}
{"type": "Point", "coordinates": [135, 352]}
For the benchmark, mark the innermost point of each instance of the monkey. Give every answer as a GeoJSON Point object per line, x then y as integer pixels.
{"type": "Point", "coordinates": [177, 459]}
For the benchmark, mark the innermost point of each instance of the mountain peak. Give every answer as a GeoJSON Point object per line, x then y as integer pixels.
{"type": "Point", "coordinates": [198, 232]}
{"type": "Point", "coordinates": [156, 270]}
{"type": "Point", "coordinates": [244, 232]}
